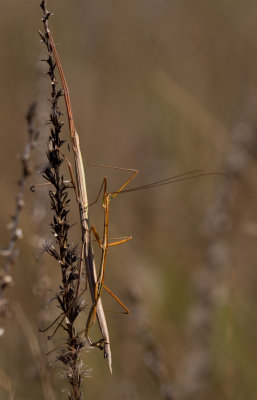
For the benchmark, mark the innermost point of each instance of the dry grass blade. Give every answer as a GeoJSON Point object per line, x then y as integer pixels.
{"type": "Point", "coordinates": [6, 384]}
{"type": "Point", "coordinates": [188, 106]}
{"type": "Point", "coordinates": [32, 340]}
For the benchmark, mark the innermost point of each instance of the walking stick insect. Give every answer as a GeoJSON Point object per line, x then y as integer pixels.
{"type": "Point", "coordinates": [81, 193]}
{"type": "Point", "coordinates": [96, 283]}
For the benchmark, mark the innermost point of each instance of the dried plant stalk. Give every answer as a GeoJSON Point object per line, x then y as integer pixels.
{"type": "Point", "coordinates": [10, 252]}
{"type": "Point", "coordinates": [69, 302]}
{"type": "Point", "coordinates": [81, 195]}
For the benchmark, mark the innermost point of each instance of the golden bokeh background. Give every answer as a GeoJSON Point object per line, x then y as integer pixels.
{"type": "Point", "coordinates": [164, 87]}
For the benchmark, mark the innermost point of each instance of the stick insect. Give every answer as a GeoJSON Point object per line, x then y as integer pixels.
{"type": "Point", "coordinates": [81, 195]}
{"type": "Point", "coordinates": [96, 283]}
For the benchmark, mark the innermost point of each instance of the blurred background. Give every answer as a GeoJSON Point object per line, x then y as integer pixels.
{"type": "Point", "coordinates": [164, 87]}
